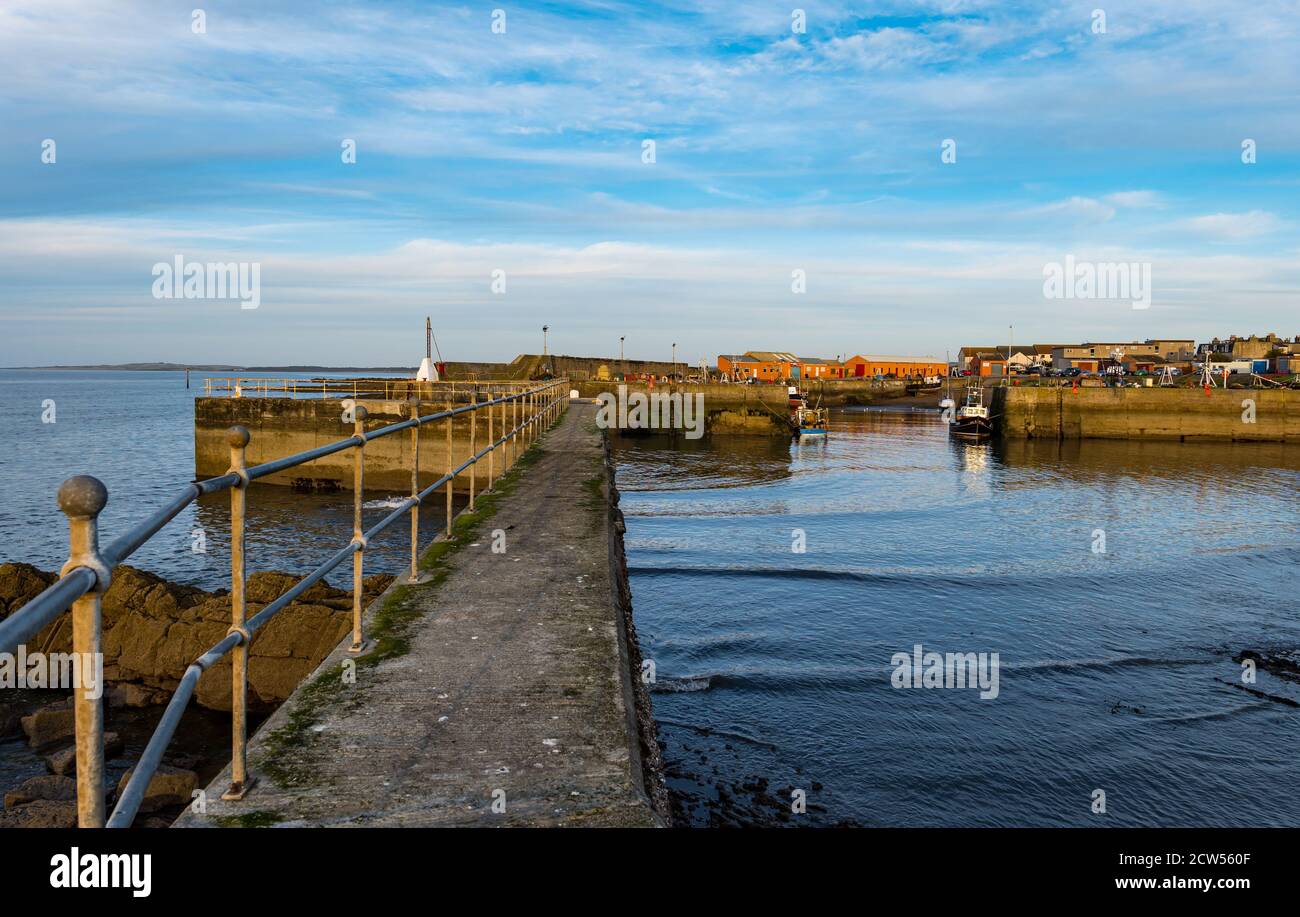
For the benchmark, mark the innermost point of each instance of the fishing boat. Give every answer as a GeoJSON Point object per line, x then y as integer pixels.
{"type": "Point", "coordinates": [972, 421]}
{"type": "Point", "coordinates": [927, 386]}
{"type": "Point", "coordinates": [797, 398]}
{"type": "Point", "coordinates": [811, 423]}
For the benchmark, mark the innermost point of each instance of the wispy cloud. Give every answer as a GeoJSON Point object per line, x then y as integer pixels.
{"type": "Point", "coordinates": [1233, 225]}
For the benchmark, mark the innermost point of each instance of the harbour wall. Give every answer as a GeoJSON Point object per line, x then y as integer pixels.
{"type": "Point", "coordinates": [284, 426]}
{"type": "Point", "coordinates": [754, 410]}
{"type": "Point", "coordinates": [1179, 414]}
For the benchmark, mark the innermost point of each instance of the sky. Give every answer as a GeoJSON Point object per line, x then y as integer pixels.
{"type": "Point", "coordinates": [893, 178]}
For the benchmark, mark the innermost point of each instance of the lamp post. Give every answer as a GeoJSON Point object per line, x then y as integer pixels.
{"type": "Point", "coordinates": [674, 360]}
{"type": "Point", "coordinates": [622, 364]}
{"type": "Point", "coordinates": [1006, 378]}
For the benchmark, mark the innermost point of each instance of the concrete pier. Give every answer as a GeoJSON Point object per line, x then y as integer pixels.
{"type": "Point", "coordinates": [503, 691]}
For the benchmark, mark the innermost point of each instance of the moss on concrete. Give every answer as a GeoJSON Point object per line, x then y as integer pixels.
{"type": "Point", "coordinates": [289, 747]}
{"type": "Point", "coordinates": [258, 819]}
{"type": "Point", "coordinates": [595, 490]}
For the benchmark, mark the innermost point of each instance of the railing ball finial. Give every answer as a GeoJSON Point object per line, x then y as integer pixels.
{"type": "Point", "coordinates": [359, 412]}
{"type": "Point", "coordinates": [82, 497]}
{"type": "Point", "coordinates": [237, 436]}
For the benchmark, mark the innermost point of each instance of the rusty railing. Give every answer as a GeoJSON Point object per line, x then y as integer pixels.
{"type": "Point", "coordinates": [518, 417]}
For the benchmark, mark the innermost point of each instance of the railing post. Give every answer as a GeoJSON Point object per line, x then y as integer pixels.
{"type": "Point", "coordinates": [514, 429]}
{"type": "Point", "coordinates": [415, 492]}
{"type": "Point", "coordinates": [358, 535]}
{"type": "Point", "coordinates": [492, 442]}
{"type": "Point", "coordinates": [451, 478]}
{"type": "Point", "coordinates": [81, 498]}
{"type": "Point", "coordinates": [473, 445]}
{"type": "Point", "coordinates": [238, 437]}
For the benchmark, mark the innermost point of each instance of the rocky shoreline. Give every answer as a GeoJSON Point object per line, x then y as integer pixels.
{"type": "Point", "coordinates": [153, 629]}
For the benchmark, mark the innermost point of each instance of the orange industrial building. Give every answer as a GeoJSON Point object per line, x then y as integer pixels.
{"type": "Point", "coordinates": [872, 365]}
{"type": "Point", "coordinates": [775, 366]}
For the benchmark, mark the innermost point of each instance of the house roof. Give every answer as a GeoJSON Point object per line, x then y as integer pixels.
{"type": "Point", "coordinates": [771, 356]}
{"type": "Point", "coordinates": [1143, 358]}
{"type": "Point", "coordinates": [886, 358]}
{"type": "Point", "coordinates": [991, 356]}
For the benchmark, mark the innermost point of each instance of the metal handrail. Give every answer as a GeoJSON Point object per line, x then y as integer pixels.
{"type": "Point", "coordinates": [87, 574]}
{"type": "Point", "coordinates": [361, 387]}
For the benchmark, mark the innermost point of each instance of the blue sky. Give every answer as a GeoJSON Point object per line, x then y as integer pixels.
{"type": "Point", "coordinates": [522, 152]}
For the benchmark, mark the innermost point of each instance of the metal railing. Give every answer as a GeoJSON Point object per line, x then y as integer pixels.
{"type": "Point", "coordinates": [402, 389]}
{"type": "Point", "coordinates": [519, 416]}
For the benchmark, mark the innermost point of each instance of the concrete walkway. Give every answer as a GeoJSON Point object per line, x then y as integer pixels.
{"type": "Point", "coordinates": [504, 681]}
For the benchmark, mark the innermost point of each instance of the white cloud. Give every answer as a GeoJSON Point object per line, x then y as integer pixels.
{"type": "Point", "coordinates": [1233, 226]}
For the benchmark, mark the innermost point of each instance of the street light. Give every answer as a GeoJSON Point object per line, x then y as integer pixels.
{"type": "Point", "coordinates": [545, 328]}
{"type": "Point", "coordinates": [1006, 377]}
{"type": "Point", "coordinates": [674, 359]}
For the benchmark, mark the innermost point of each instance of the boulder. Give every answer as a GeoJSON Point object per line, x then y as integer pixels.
{"type": "Point", "coordinates": [42, 813]}
{"type": "Point", "coordinates": [55, 789]}
{"type": "Point", "coordinates": [19, 583]}
{"type": "Point", "coordinates": [154, 629]}
{"type": "Point", "coordinates": [170, 786]}
{"type": "Point", "coordinates": [64, 761]}
{"type": "Point", "coordinates": [130, 694]}
{"type": "Point", "coordinates": [50, 725]}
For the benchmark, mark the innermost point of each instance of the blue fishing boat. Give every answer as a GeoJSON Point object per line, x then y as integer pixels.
{"type": "Point", "coordinates": [811, 423]}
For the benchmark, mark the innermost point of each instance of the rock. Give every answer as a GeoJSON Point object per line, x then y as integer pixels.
{"type": "Point", "coordinates": [64, 761]}
{"type": "Point", "coordinates": [170, 786]}
{"type": "Point", "coordinates": [129, 694]}
{"type": "Point", "coordinates": [50, 725]}
{"type": "Point", "coordinates": [154, 629]}
{"type": "Point", "coordinates": [42, 813]}
{"type": "Point", "coordinates": [19, 584]}
{"type": "Point", "coordinates": [56, 789]}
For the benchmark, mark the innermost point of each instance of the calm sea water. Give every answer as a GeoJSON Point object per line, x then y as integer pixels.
{"type": "Point", "coordinates": [1115, 669]}
{"type": "Point", "coordinates": [135, 432]}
